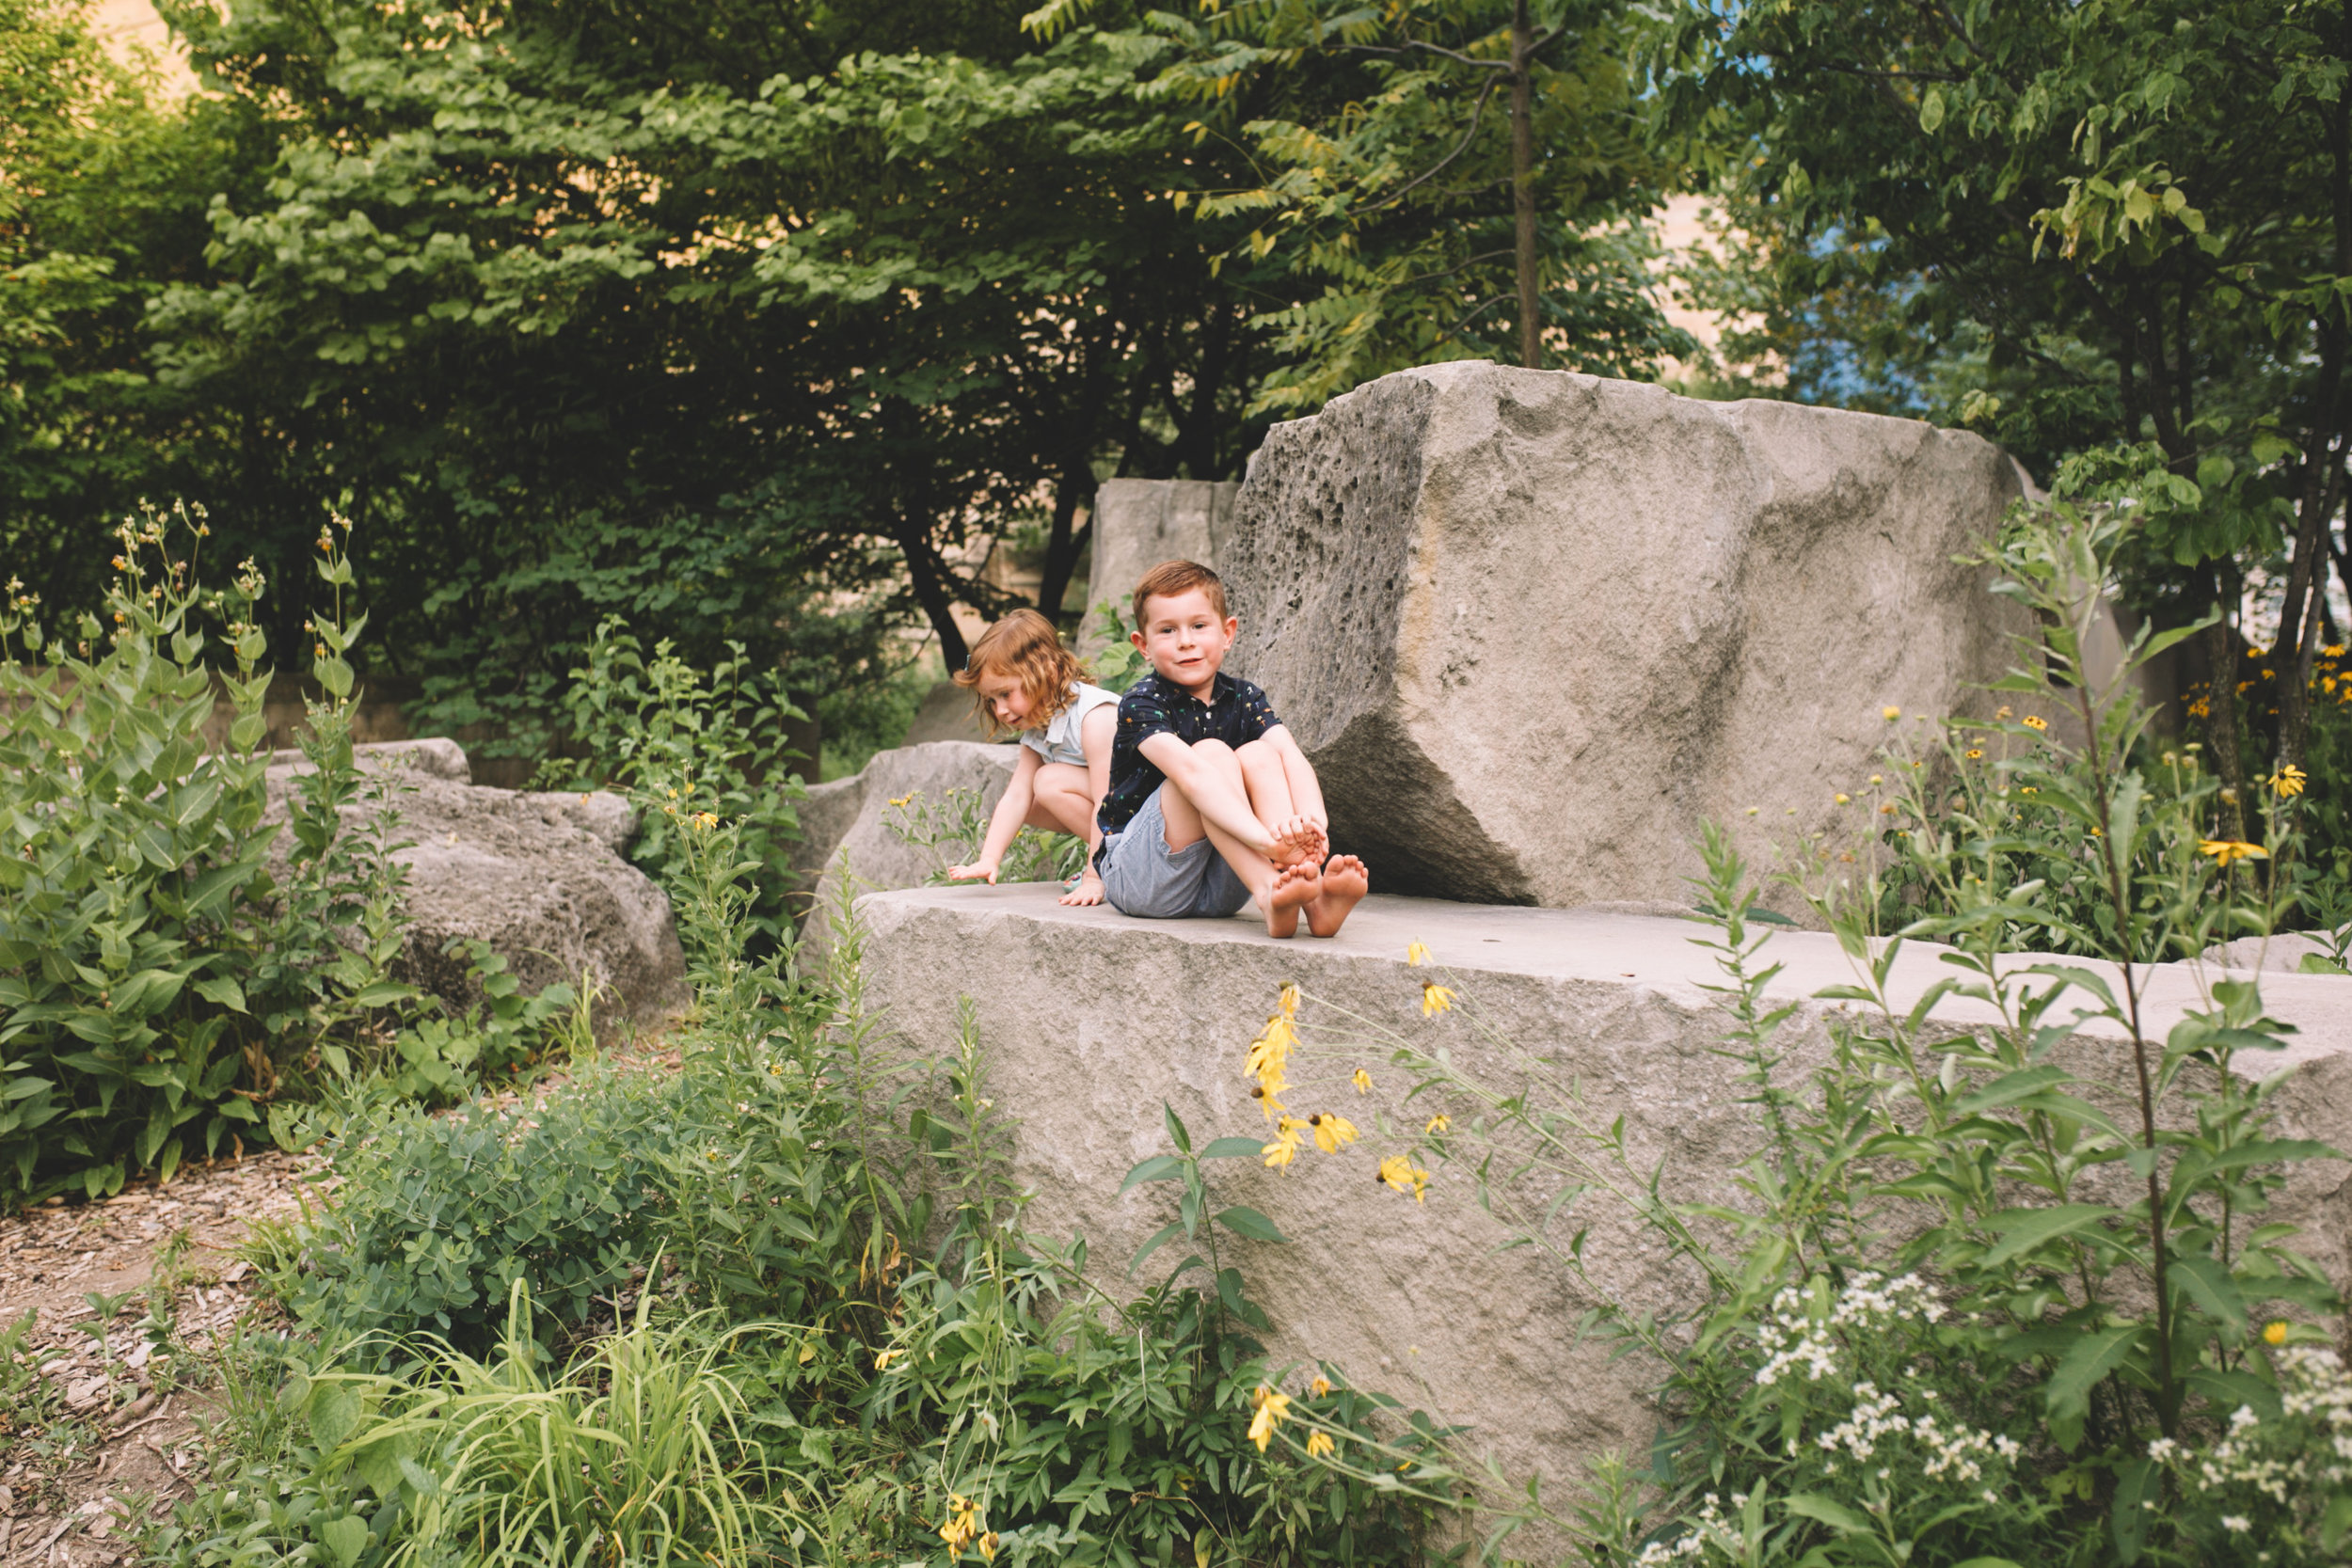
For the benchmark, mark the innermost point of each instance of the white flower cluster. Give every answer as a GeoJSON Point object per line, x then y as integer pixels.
{"type": "Point", "coordinates": [1712, 1530]}
{"type": "Point", "coordinates": [2283, 1462]}
{"type": "Point", "coordinates": [1792, 1341]}
{"type": "Point", "coordinates": [1955, 1451]}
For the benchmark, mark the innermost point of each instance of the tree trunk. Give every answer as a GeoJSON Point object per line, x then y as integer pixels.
{"type": "Point", "coordinates": [1061, 554]}
{"type": "Point", "coordinates": [927, 573]}
{"type": "Point", "coordinates": [2222, 730]}
{"type": "Point", "coordinates": [1523, 181]}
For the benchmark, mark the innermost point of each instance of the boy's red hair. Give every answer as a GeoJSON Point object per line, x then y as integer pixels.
{"type": "Point", "coordinates": [1026, 646]}
{"type": "Point", "coordinates": [1172, 577]}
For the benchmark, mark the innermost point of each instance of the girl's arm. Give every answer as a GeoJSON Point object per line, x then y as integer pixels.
{"type": "Point", "coordinates": [1011, 812]}
{"type": "Point", "coordinates": [1095, 733]}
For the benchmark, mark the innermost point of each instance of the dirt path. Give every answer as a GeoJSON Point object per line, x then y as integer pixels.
{"type": "Point", "coordinates": [102, 1431]}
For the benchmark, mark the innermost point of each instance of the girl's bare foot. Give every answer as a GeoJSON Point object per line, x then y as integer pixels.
{"type": "Point", "coordinates": [1344, 882]}
{"type": "Point", "coordinates": [1295, 887]}
{"type": "Point", "coordinates": [1296, 840]}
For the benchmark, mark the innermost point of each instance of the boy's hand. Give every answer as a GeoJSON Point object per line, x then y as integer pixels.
{"type": "Point", "coordinates": [978, 871]}
{"type": "Point", "coordinates": [1088, 890]}
{"type": "Point", "coordinates": [1296, 840]}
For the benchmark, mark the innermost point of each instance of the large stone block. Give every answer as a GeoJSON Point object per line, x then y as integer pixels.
{"type": "Point", "coordinates": [1533, 627]}
{"type": "Point", "coordinates": [1416, 1301]}
{"type": "Point", "coordinates": [1139, 523]}
{"type": "Point", "coordinates": [539, 877]}
{"type": "Point", "coordinates": [845, 824]}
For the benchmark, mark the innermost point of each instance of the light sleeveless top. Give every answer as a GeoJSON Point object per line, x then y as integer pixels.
{"type": "Point", "coordinates": [1059, 741]}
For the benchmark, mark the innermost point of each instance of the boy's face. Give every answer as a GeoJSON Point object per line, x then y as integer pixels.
{"type": "Point", "coordinates": [1184, 638]}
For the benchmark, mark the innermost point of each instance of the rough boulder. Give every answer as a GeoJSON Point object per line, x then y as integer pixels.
{"type": "Point", "coordinates": [539, 877]}
{"type": "Point", "coordinates": [1534, 627]}
{"type": "Point", "coordinates": [852, 818]}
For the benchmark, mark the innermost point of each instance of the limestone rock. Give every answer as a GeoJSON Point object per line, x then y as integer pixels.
{"type": "Point", "coordinates": [538, 876]}
{"type": "Point", "coordinates": [1139, 523]}
{"type": "Point", "coordinates": [438, 756]}
{"type": "Point", "coordinates": [1534, 627]}
{"type": "Point", "coordinates": [878, 857]}
{"type": "Point", "coordinates": [1141, 1012]}
{"type": "Point", "coordinates": [946, 714]}
{"type": "Point", "coordinates": [2283, 952]}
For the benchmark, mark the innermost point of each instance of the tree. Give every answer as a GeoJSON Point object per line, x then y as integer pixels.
{"type": "Point", "coordinates": [2140, 214]}
{"type": "Point", "coordinates": [1421, 165]}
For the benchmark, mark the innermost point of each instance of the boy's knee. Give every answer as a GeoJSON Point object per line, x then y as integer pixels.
{"type": "Point", "coordinates": [1211, 749]}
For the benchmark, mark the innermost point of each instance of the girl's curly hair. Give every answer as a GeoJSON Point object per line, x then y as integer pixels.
{"type": "Point", "coordinates": [1026, 646]}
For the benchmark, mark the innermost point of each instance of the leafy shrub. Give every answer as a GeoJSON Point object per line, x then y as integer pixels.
{"type": "Point", "coordinates": [680, 741]}
{"type": "Point", "coordinates": [157, 981]}
{"type": "Point", "coordinates": [436, 1216]}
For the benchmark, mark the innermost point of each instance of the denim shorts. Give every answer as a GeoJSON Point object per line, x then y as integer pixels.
{"type": "Point", "coordinates": [1142, 876]}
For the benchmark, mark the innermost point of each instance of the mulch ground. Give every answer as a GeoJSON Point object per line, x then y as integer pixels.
{"type": "Point", "coordinates": [99, 1435]}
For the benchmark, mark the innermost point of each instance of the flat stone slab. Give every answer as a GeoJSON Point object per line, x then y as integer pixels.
{"type": "Point", "coordinates": [1092, 1020]}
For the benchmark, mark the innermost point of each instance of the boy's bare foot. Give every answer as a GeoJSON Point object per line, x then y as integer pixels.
{"type": "Point", "coordinates": [1295, 887]}
{"type": "Point", "coordinates": [1297, 841]}
{"type": "Point", "coordinates": [1344, 882]}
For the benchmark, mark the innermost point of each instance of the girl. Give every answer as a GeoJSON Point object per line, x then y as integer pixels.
{"type": "Point", "coordinates": [1022, 679]}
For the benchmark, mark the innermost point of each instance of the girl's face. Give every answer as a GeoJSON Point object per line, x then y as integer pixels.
{"type": "Point", "coordinates": [1007, 698]}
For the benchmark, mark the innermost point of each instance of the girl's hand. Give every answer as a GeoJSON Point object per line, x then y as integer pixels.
{"type": "Point", "coordinates": [1088, 890]}
{"type": "Point", "coordinates": [978, 871]}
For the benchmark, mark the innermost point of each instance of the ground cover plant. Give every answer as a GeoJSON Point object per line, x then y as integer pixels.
{"type": "Point", "coordinates": [776, 1305]}
{"type": "Point", "coordinates": [1975, 1305]}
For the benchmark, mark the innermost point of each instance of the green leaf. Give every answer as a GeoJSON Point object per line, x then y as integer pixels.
{"type": "Point", "coordinates": [346, 1538]}
{"type": "Point", "coordinates": [2011, 1087]}
{"type": "Point", "coordinates": [1932, 111]}
{"type": "Point", "coordinates": [1159, 1239]}
{"type": "Point", "coordinates": [2023, 1229]}
{"type": "Point", "coordinates": [1160, 1167]}
{"type": "Point", "coordinates": [1244, 1220]}
{"type": "Point", "coordinates": [1176, 1127]}
{"type": "Point", "coordinates": [1836, 1516]}
{"type": "Point", "coordinates": [223, 993]}
{"type": "Point", "coordinates": [2093, 1356]}
{"type": "Point", "coordinates": [2137, 1481]}
{"type": "Point", "coordinates": [1234, 1149]}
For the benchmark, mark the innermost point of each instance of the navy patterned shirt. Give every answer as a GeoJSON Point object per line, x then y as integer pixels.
{"type": "Point", "coordinates": [1235, 713]}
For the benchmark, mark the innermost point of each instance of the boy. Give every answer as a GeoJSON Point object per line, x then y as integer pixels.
{"type": "Point", "coordinates": [1210, 801]}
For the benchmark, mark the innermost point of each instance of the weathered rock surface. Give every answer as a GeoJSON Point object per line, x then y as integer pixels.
{"type": "Point", "coordinates": [946, 714]}
{"type": "Point", "coordinates": [853, 816]}
{"type": "Point", "coordinates": [1139, 523]}
{"type": "Point", "coordinates": [2283, 952]}
{"type": "Point", "coordinates": [1533, 627]}
{"type": "Point", "coordinates": [1413, 1300]}
{"type": "Point", "coordinates": [539, 877]}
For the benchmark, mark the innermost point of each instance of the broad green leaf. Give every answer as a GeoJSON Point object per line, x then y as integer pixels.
{"type": "Point", "coordinates": [1836, 1514]}
{"type": "Point", "coordinates": [2094, 1354]}
{"type": "Point", "coordinates": [2023, 1229]}
{"type": "Point", "coordinates": [1244, 1220]}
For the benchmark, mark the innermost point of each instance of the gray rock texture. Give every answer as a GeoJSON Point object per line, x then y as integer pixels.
{"type": "Point", "coordinates": [1414, 1300]}
{"type": "Point", "coordinates": [853, 819]}
{"type": "Point", "coordinates": [1533, 627]}
{"type": "Point", "coordinates": [946, 714]}
{"type": "Point", "coordinates": [539, 877]}
{"type": "Point", "coordinates": [2283, 953]}
{"type": "Point", "coordinates": [1139, 523]}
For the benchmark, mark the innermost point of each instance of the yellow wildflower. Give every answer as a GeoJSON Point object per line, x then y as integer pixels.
{"type": "Point", "coordinates": [1318, 1444]}
{"type": "Point", "coordinates": [1362, 1081]}
{"type": "Point", "coordinates": [964, 1523]}
{"type": "Point", "coordinates": [2226, 850]}
{"type": "Point", "coordinates": [1332, 1133]}
{"type": "Point", "coordinates": [2274, 1333]}
{"type": "Point", "coordinates": [1974, 752]}
{"type": "Point", "coordinates": [1890, 713]}
{"type": "Point", "coordinates": [1320, 1387]}
{"type": "Point", "coordinates": [1845, 800]}
{"type": "Point", "coordinates": [1284, 1148]}
{"type": "Point", "coordinates": [1417, 955]}
{"type": "Point", "coordinates": [2002, 712]}
{"type": "Point", "coordinates": [988, 1546]}
{"type": "Point", "coordinates": [2288, 781]}
{"type": "Point", "coordinates": [895, 800]}
{"type": "Point", "coordinates": [1405, 1175]}
{"type": "Point", "coordinates": [881, 1362]}
{"type": "Point", "coordinates": [1272, 1408]}
{"type": "Point", "coordinates": [2032, 722]}
{"type": "Point", "coordinates": [1877, 778]}
{"type": "Point", "coordinates": [705, 819]}
{"type": "Point", "coordinates": [1438, 1123]}
{"type": "Point", "coordinates": [1435, 999]}
{"type": "Point", "coordinates": [1287, 1002]}
{"type": "Point", "coordinates": [1271, 1052]}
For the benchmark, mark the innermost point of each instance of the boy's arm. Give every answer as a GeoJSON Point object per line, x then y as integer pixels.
{"type": "Point", "coordinates": [1306, 790]}
{"type": "Point", "coordinates": [1215, 797]}
{"type": "Point", "coordinates": [1005, 825]}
